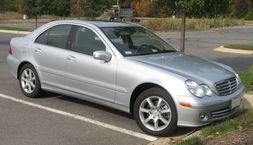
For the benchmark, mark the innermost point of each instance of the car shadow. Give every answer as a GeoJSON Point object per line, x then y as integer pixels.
{"type": "Point", "coordinates": [181, 131]}
{"type": "Point", "coordinates": [94, 105]}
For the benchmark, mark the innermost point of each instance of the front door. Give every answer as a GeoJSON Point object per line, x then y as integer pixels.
{"type": "Point", "coordinates": [86, 75]}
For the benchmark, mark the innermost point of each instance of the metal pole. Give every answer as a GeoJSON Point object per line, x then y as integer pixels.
{"type": "Point", "coordinates": [182, 40]}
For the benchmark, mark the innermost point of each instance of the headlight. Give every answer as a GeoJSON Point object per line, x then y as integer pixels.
{"type": "Point", "coordinates": [198, 90]}
{"type": "Point", "coordinates": [238, 79]}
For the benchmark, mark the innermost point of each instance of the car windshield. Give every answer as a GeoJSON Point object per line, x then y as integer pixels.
{"type": "Point", "coordinates": [135, 41]}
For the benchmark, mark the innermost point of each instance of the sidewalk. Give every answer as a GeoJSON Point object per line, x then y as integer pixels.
{"type": "Point", "coordinates": [15, 32]}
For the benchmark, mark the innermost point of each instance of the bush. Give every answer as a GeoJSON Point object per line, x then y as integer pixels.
{"type": "Point", "coordinates": [249, 16]}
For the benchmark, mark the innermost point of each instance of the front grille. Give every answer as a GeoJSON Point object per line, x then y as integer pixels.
{"type": "Point", "coordinates": [227, 86]}
{"type": "Point", "coordinates": [221, 113]}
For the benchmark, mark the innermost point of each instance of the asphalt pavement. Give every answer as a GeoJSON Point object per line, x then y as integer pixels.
{"type": "Point", "coordinates": [26, 121]}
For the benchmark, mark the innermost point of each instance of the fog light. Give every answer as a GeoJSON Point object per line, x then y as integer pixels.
{"type": "Point", "coordinates": [203, 117]}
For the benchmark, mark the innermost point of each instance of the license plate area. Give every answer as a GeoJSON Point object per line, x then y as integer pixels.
{"type": "Point", "coordinates": [235, 102]}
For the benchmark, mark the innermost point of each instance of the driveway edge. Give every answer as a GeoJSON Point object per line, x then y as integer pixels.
{"type": "Point", "coordinates": [229, 50]}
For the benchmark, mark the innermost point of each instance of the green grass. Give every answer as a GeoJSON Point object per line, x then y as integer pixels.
{"type": "Point", "coordinates": [245, 118]}
{"type": "Point", "coordinates": [219, 128]}
{"type": "Point", "coordinates": [169, 24]}
{"type": "Point", "coordinates": [240, 46]}
{"type": "Point", "coordinates": [12, 28]}
{"type": "Point", "coordinates": [247, 78]}
{"type": "Point", "coordinates": [191, 141]}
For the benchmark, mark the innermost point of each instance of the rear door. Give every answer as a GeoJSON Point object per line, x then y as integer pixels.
{"type": "Point", "coordinates": [49, 51]}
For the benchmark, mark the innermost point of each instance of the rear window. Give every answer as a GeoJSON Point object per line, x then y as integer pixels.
{"type": "Point", "coordinates": [56, 36]}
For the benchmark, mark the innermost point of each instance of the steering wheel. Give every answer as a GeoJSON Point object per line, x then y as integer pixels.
{"type": "Point", "coordinates": [146, 48]}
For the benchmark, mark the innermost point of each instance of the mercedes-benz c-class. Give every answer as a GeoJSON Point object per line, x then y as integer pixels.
{"type": "Point", "coordinates": [126, 67]}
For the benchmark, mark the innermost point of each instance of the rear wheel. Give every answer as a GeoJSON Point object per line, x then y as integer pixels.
{"type": "Point", "coordinates": [29, 81]}
{"type": "Point", "coordinates": [155, 112]}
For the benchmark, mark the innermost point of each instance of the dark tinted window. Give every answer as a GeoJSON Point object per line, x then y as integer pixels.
{"type": "Point", "coordinates": [56, 36]}
{"type": "Point", "coordinates": [86, 41]}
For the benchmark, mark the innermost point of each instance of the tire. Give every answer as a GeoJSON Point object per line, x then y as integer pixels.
{"type": "Point", "coordinates": [159, 120]}
{"type": "Point", "coordinates": [29, 81]}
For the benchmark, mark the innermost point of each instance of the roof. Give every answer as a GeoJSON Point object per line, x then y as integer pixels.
{"type": "Point", "coordinates": [100, 23]}
{"type": "Point", "coordinates": [110, 24]}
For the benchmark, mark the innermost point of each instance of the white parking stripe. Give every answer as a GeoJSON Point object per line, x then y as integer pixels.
{"type": "Point", "coordinates": [81, 118]}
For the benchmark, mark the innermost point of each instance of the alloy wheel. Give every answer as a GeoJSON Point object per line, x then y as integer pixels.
{"type": "Point", "coordinates": [155, 113]}
{"type": "Point", "coordinates": [28, 80]}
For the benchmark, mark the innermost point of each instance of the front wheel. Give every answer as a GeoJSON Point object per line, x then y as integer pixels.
{"type": "Point", "coordinates": [155, 112]}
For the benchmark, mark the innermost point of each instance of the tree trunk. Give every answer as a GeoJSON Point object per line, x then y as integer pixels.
{"type": "Point", "coordinates": [36, 21]}
{"type": "Point", "coordinates": [182, 40]}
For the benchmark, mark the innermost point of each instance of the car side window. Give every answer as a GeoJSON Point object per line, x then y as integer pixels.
{"type": "Point", "coordinates": [86, 41]}
{"type": "Point", "coordinates": [56, 36]}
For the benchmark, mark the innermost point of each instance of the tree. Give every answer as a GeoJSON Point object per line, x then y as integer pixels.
{"type": "Point", "coordinates": [94, 8]}
{"type": "Point", "coordinates": [142, 8]}
{"type": "Point", "coordinates": [75, 8]}
{"type": "Point", "coordinates": [18, 5]}
{"type": "Point", "coordinates": [242, 7]}
{"type": "Point", "coordinates": [7, 5]}
{"type": "Point", "coordinates": [59, 7]}
{"type": "Point", "coordinates": [34, 8]}
{"type": "Point", "coordinates": [181, 7]}
{"type": "Point", "coordinates": [192, 8]}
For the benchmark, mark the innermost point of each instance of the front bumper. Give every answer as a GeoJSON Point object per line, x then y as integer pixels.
{"type": "Point", "coordinates": [206, 111]}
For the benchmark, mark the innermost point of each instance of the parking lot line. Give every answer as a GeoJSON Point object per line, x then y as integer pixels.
{"type": "Point", "coordinates": [81, 118]}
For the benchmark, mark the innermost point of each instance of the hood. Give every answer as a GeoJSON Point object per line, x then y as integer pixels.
{"type": "Point", "coordinates": [187, 66]}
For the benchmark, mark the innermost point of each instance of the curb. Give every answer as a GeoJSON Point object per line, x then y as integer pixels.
{"type": "Point", "coordinates": [15, 32]}
{"type": "Point", "coordinates": [237, 51]}
{"type": "Point", "coordinates": [248, 102]}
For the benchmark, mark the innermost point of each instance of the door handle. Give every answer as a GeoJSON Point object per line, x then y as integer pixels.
{"type": "Point", "coordinates": [71, 58]}
{"type": "Point", "coordinates": [37, 50]}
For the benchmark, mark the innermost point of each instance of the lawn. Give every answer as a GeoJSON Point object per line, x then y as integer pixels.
{"type": "Point", "coordinates": [240, 46]}
{"type": "Point", "coordinates": [169, 24]}
{"type": "Point", "coordinates": [247, 78]}
{"type": "Point", "coordinates": [12, 28]}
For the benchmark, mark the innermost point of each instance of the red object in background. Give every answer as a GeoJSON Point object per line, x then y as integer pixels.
{"type": "Point", "coordinates": [9, 50]}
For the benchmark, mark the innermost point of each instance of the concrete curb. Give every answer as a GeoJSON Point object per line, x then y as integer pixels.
{"type": "Point", "coordinates": [248, 100]}
{"type": "Point", "coordinates": [248, 104]}
{"type": "Point", "coordinates": [15, 32]}
{"type": "Point", "coordinates": [229, 50]}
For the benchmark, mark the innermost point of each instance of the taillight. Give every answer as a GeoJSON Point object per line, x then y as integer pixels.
{"type": "Point", "coordinates": [9, 50]}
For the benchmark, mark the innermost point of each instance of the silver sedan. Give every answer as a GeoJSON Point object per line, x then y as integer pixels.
{"type": "Point", "coordinates": [127, 67]}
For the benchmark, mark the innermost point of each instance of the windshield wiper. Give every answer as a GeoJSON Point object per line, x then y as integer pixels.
{"type": "Point", "coordinates": [166, 51]}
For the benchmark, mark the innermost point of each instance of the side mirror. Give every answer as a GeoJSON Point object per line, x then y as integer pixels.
{"type": "Point", "coordinates": [102, 55]}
